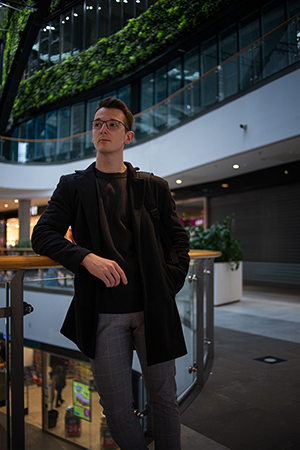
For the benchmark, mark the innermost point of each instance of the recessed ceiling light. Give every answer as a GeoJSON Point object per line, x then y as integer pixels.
{"type": "Point", "coordinates": [16, 200]}
{"type": "Point", "coordinates": [6, 205]}
{"type": "Point", "coordinates": [225, 185]}
{"type": "Point", "coordinates": [178, 181]}
{"type": "Point", "coordinates": [236, 166]}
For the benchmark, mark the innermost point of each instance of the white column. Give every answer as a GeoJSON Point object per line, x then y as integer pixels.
{"type": "Point", "coordinates": [24, 220]}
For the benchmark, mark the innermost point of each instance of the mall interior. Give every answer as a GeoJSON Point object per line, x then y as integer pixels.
{"type": "Point", "coordinates": [214, 87]}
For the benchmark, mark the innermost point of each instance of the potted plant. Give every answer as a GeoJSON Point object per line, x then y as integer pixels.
{"type": "Point", "coordinates": [228, 267]}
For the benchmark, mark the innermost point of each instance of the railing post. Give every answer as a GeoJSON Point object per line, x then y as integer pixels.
{"type": "Point", "coordinates": [7, 365]}
{"type": "Point", "coordinates": [200, 323]}
{"type": "Point", "coordinates": [17, 362]}
{"type": "Point", "coordinates": [210, 307]}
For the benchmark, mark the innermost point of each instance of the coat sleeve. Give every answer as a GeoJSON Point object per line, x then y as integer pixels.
{"type": "Point", "coordinates": [48, 237]}
{"type": "Point", "coordinates": [176, 232]}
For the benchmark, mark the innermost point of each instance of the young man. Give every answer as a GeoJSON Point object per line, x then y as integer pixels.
{"type": "Point", "coordinates": [125, 280]}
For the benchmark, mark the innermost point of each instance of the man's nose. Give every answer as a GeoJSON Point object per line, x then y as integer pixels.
{"type": "Point", "coordinates": [105, 127]}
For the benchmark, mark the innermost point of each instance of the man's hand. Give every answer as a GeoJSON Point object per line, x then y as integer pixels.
{"type": "Point", "coordinates": [108, 271]}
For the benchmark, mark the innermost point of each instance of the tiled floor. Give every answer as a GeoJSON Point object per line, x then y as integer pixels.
{"type": "Point", "coordinates": [246, 404]}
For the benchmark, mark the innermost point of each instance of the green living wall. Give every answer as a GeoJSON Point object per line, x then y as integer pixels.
{"type": "Point", "coordinates": [138, 42]}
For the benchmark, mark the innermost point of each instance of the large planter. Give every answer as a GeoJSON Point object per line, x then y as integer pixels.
{"type": "Point", "coordinates": [228, 284]}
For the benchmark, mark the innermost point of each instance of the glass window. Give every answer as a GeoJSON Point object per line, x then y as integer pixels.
{"type": "Point", "coordinates": [44, 48]}
{"type": "Point", "coordinates": [50, 133]}
{"type": "Point", "coordinates": [77, 127]}
{"type": "Point", "coordinates": [143, 124]}
{"type": "Point", "coordinates": [174, 76]}
{"type": "Point", "coordinates": [293, 7]}
{"type": "Point", "coordinates": [191, 71]}
{"type": "Point", "coordinates": [147, 91]}
{"type": "Point", "coordinates": [275, 49]}
{"type": "Point", "coordinates": [116, 17]}
{"type": "Point", "coordinates": [39, 147]}
{"type": "Point", "coordinates": [103, 18]}
{"type": "Point", "coordinates": [250, 60]}
{"type": "Point", "coordinates": [33, 60]}
{"type": "Point", "coordinates": [140, 7]}
{"type": "Point", "coordinates": [228, 74]}
{"type": "Point", "coordinates": [160, 84]}
{"type": "Point", "coordinates": [91, 15]}
{"type": "Point", "coordinates": [66, 36]}
{"type": "Point", "coordinates": [124, 94]}
{"type": "Point", "coordinates": [151, 2]}
{"type": "Point", "coordinates": [14, 147]}
{"type": "Point", "coordinates": [160, 93]}
{"type": "Point", "coordinates": [63, 130]}
{"type": "Point", "coordinates": [110, 94]}
{"type": "Point", "coordinates": [175, 104]}
{"type": "Point", "coordinates": [29, 135]}
{"type": "Point", "coordinates": [128, 11]}
{"type": "Point", "coordinates": [90, 112]}
{"type": "Point", "coordinates": [21, 150]}
{"type": "Point", "coordinates": [209, 60]}
{"type": "Point", "coordinates": [77, 29]}
{"type": "Point", "coordinates": [55, 42]}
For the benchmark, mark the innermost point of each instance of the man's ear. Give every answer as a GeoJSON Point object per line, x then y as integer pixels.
{"type": "Point", "coordinates": [129, 137]}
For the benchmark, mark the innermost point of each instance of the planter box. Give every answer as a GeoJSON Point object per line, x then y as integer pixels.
{"type": "Point", "coordinates": [228, 284]}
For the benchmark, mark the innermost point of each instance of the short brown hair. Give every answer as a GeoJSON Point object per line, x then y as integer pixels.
{"type": "Point", "coordinates": [111, 102]}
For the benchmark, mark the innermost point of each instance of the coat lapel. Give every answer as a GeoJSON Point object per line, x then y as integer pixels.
{"type": "Point", "coordinates": [87, 192]}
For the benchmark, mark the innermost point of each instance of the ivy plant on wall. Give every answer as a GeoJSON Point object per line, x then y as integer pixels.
{"type": "Point", "coordinates": [138, 42]}
{"type": "Point", "coordinates": [12, 26]}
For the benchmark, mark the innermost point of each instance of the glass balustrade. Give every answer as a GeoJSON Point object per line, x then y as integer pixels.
{"type": "Point", "coordinates": [49, 292]}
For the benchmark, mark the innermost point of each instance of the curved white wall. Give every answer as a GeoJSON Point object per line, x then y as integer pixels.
{"type": "Point", "coordinates": [272, 114]}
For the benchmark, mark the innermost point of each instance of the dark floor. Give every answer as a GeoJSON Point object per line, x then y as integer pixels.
{"type": "Point", "coordinates": [247, 403]}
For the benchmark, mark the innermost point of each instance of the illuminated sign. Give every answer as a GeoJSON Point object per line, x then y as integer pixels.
{"type": "Point", "coordinates": [82, 400]}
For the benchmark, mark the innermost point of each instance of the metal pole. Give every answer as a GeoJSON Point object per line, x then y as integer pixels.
{"type": "Point", "coordinates": [7, 371]}
{"type": "Point", "coordinates": [17, 362]}
{"type": "Point", "coordinates": [210, 307]}
{"type": "Point", "coordinates": [200, 327]}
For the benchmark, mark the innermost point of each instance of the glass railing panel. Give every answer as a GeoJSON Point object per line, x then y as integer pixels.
{"type": "Point", "coordinates": [210, 88]}
{"type": "Point", "coordinates": [294, 41]}
{"type": "Point", "coordinates": [192, 100]}
{"type": "Point", "coordinates": [176, 110]}
{"type": "Point", "coordinates": [144, 126]}
{"type": "Point", "coordinates": [160, 117]}
{"type": "Point", "coordinates": [77, 418]}
{"type": "Point", "coordinates": [187, 305]}
{"type": "Point", "coordinates": [49, 292]}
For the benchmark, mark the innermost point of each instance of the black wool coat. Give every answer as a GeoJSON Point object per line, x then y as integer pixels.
{"type": "Point", "coordinates": [74, 203]}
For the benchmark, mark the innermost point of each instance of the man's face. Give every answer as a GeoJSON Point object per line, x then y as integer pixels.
{"type": "Point", "coordinates": [111, 141]}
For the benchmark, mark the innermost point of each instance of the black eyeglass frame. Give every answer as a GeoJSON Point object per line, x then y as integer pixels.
{"type": "Point", "coordinates": [110, 120]}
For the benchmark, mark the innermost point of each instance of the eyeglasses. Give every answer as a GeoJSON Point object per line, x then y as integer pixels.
{"type": "Point", "coordinates": [111, 125]}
